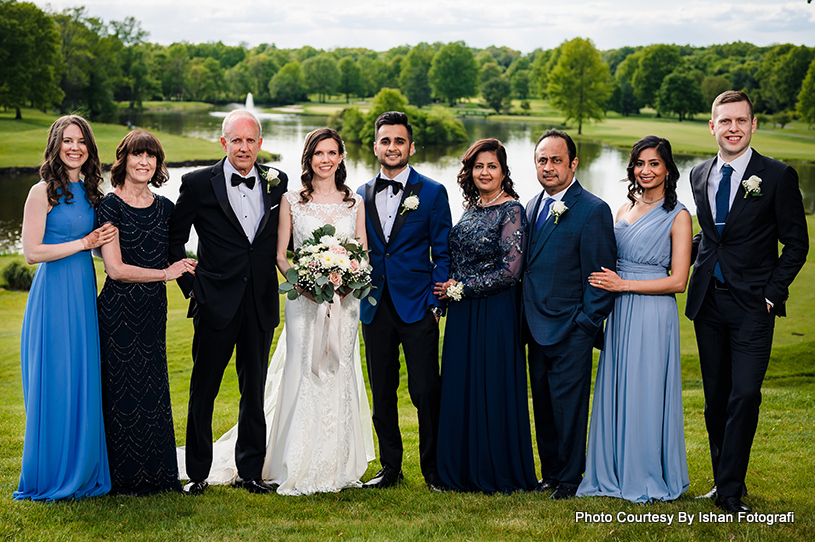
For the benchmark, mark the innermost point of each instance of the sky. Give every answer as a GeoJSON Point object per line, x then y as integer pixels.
{"type": "Point", "coordinates": [522, 25]}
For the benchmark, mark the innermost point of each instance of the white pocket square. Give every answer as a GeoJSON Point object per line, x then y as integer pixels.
{"type": "Point", "coordinates": [273, 207]}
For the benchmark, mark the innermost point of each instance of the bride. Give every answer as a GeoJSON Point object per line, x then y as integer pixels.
{"type": "Point", "coordinates": [317, 414]}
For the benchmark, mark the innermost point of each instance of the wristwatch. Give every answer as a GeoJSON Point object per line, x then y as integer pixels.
{"type": "Point", "coordinates": [437, 312]}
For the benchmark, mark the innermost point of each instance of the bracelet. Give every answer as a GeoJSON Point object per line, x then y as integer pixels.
{"type": "Point", "coordinates": [166, 276]}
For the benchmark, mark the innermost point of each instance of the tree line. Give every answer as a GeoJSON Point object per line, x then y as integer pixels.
{"type": "Point", "coordinates": [76, 62]}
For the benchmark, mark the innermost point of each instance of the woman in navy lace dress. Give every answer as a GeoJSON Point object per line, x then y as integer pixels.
{"type": "Point", "coordinates": [484, 433]}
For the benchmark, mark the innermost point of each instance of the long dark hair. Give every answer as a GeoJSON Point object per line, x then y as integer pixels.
{"type": "Point", "coordinates": [53, 171]}
{"type": "Point", "coordinates": [306, 177]}
{"type": "Point", "coordinates": [465, 175]}
{"type": "Point", "coordinates": [663, 148]}
{"type": "Point", "coordinates": [137, 142]}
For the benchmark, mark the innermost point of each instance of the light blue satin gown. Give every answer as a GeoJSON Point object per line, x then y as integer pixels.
{"type": "Point", "coordinates": [64, 453]}
{"type": "Point", "coordinates": [636, 444]}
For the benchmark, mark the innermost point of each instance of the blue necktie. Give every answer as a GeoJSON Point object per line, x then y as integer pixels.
{"type": "Point", "coordinates": [722, 208]}
{"type": "Point", "coordinates": [544, 214]}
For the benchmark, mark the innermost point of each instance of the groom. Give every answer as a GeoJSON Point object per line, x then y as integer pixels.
{"type": "Point", "coordinates": [407, 220]}
{"type": "Point", "coordinates": [746, 204]}
{"type": "Point", "coordinates": [234, 207]}
{"type": "Point", "coordinates": [571, 235]}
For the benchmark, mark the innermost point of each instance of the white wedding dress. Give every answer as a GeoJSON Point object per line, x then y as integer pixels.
{"type": "Point", "coordinates": [318, 421]}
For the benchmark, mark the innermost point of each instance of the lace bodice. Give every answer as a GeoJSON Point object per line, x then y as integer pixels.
{"type": "Point", "coordinates": [486, 248]}
{"type": "Point", "coordinates": [307, 217]}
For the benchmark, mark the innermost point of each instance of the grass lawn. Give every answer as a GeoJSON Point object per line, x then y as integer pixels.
{"type": "Point", "coordinates": [779, 479]}
{"type": "Point", "coordinates": [22, 141]}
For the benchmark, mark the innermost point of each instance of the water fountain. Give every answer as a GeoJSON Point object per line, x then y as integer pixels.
{"type": "Point", "coordinates": [250, 101]}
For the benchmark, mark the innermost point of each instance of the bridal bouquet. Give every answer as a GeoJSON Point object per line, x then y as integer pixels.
{"type": "Point", "coordinates": [328, 263]}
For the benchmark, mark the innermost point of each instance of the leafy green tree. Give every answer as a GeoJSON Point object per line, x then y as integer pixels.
{"type": "Point", "coordinates": [393, 71]}
{"type": "Point", "coordinates": [238, 81]}
{"type": "Point", "coordinates": [806, 98]}
{"type": "Point", "coordinates": [788, 75]}
{"type": "Point", "coordinates": [373, 74]}
{"type": "Point", "coordinates": [205, 79]}
{"type": "Point", "coordinates": [288, 85]}
{"type": "Point", "coordinates": [414, 77]}
{"type": "Point", "coordinates": [261, 66]}
{"type": "Point", "coordinates": [712, 86]}
{"type": "Point", "coordinates": [542, 66]}
{"type": "Point", "coordinates": [580, 83]}
{"type": "Point", "coordinates": [488, 71]}
{"type": "Point", "coordinates": [321, 74]}
{"type": "Point", "coordinates": [350, 78]}
{"type": "Point", "coordinates": [454, 73]}
{"type": "Point", "coordinates": [30, 59]}
{"type": "Point", "coordinates": [622, 99]}
{"type": "Point", "coordinates": [174, 74]}
{"type": "Point", "coordinates": [655, 63]}
{"type": "Point", "coordinates": [497, 92]}
{"type": "Point", "coordinates": [680, 93]}
{"type": "Point", "coordinates": [519, 75]}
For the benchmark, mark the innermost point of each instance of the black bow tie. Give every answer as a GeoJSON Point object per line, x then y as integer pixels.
{"type": "Point", "coordinates": [249, 181]}
{"type": "Point", "coordinates": [382, 184]}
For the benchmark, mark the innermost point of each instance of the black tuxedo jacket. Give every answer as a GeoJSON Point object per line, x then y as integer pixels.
{"type": "Point", "coordinates": [747, 249]}
{"type": "Point", "coordinates": [226, 258]}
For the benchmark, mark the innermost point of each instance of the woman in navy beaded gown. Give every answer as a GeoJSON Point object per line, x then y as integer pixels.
{"type": "Point", "coordinates": [484, 441]}
{"type": "Point", "coordinates": [636, 444]}
{"type": "Point", "coordinates": [133, 320]}
{"type": "Point", "coordinates": [64, 454]}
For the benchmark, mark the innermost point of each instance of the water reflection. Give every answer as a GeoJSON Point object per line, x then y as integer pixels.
{"type": "Point", "coordinates": [600, 167]}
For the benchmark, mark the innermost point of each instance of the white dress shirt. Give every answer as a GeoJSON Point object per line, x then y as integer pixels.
{"type": "Point", "coordinates": [739, 166]}
{"type": "Point", "coordinates": [387, 203]}
{"type": "Point", "coordinates": [245, 202]}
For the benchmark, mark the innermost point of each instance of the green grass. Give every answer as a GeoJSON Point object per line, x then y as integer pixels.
{"type": "Point", "coordinates": [779, 479]}
{"type": "Point", "coordinates": [22, 141]}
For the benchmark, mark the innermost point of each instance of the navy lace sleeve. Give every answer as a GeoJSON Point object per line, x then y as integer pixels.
{"type": "Point", "coordinates": [486, 248]}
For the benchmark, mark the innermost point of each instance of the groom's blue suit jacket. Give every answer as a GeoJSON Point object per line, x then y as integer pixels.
{"type": "Point", "coordinates": [557, 297]}
{"type": "Point", "coordinates": [416, 256]}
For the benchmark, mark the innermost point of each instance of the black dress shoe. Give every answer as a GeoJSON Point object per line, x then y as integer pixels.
{"type": "Point", "coordinates": [713, 493]}
{"type": "Point", "coordinates": [546, 485]}
{"type": "Point", "coordinates": [194, 488]}
{"type": "Point", "coordinates": [563, 492]}
{"type": "Point", "coordinates": [386, 477]}
{"type": "Point", "coordinates": [254, 486]}
{"type": "Point", "coordinates": [732, 505]}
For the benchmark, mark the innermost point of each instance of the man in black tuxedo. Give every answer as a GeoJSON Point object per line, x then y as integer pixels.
{"type": "Point", "coordinates": [234, 207]}
{"type": "Point", "coordinates": [746, 204]}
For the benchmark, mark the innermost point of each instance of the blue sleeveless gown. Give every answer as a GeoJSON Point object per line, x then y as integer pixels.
{"type": "Point", "coordinates": [636, 444]}
{"type": "Point", "coordinates": [64, 454]}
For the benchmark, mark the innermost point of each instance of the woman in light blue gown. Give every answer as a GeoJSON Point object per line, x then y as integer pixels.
{"type": "Point", "coordinates": [636, 445]}
{"type": "Point", "coordinates": [64, 454]}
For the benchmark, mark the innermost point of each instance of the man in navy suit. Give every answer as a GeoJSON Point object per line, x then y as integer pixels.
{"type": "Point", "coordinates": [234, 206]}
{"type": "Point", "coordinates": [746, 204]}
{"type": "Point", "coordinates": [408, 220]}
{"type": "Point", "coordinates": [571, 235]}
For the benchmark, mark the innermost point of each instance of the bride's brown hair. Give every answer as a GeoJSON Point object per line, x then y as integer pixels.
{"type": "Point", "coordinates": [312, 140]}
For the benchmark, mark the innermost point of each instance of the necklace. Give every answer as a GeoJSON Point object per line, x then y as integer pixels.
{"type": "Point", "coordinates": [642, 199]}
{"type": "Point", "coordinates": [327, 194]}
{"type": "Point", "coordinates": [481, 200]}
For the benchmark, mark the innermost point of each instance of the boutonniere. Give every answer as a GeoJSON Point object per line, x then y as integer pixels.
{"type": "Point", "coordinates": [411, 203]}
{"type": "Point", "coordinates": [272, 179]}
{"type": "Point", "coordinates": [558, 208]}
{"type": "Point", "coordinates": [752, 186]}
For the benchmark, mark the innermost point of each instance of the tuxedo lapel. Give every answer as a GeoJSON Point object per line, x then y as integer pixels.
{"type": "Point", "coordinates": [703, 211]}
{"type": "Point", "coordinates": [541, 237]}
{"type": "Point", "coordinates": [266, 192]}
{"type": "Point", "coordinates": [414, 185]}
{"type": "Point", "coordinates": [219, 186]}
{"type": "Point", "coordinates": [531, 218]}
{"type": "Point", "coordinates": [373, 214]}
{"type": "Point", "coordinates": [755, 166]}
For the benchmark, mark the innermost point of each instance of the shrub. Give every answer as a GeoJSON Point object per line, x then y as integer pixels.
{"type": "Point", "coordinates": [18, 276]}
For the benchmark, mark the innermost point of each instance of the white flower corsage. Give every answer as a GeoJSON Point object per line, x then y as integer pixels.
{"type": "Point", "coordinates": [558, 208]}
{"type": "Point", "coordinates": [411, 203]}
{"type": "Point", "coordinates": [272, 178]}
{"type": "Point", "coordinates": [455, 291]}
{"type": "Point", "coordinates": [752, 186]}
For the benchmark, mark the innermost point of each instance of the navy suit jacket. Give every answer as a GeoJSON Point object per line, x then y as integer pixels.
{"type": "Point", "coordinates": [557, 297]}
{"type": "Point", "coordinates": [226, 258]}
{"type": "Point", "coordinates": [416, 256]}
{"type": "Point", "coordinates": [747, 249]}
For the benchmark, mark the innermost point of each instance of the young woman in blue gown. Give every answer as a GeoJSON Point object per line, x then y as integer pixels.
{"type": "Point", "coordinates": [64, 454]}
{"type": "Point", "coordinates": [636, 444]}
{"type": "Point", "coordinates": [484, 442]}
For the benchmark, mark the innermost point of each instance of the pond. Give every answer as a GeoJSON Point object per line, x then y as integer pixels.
{"type": "Point", "coordinates": [600, 167]}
